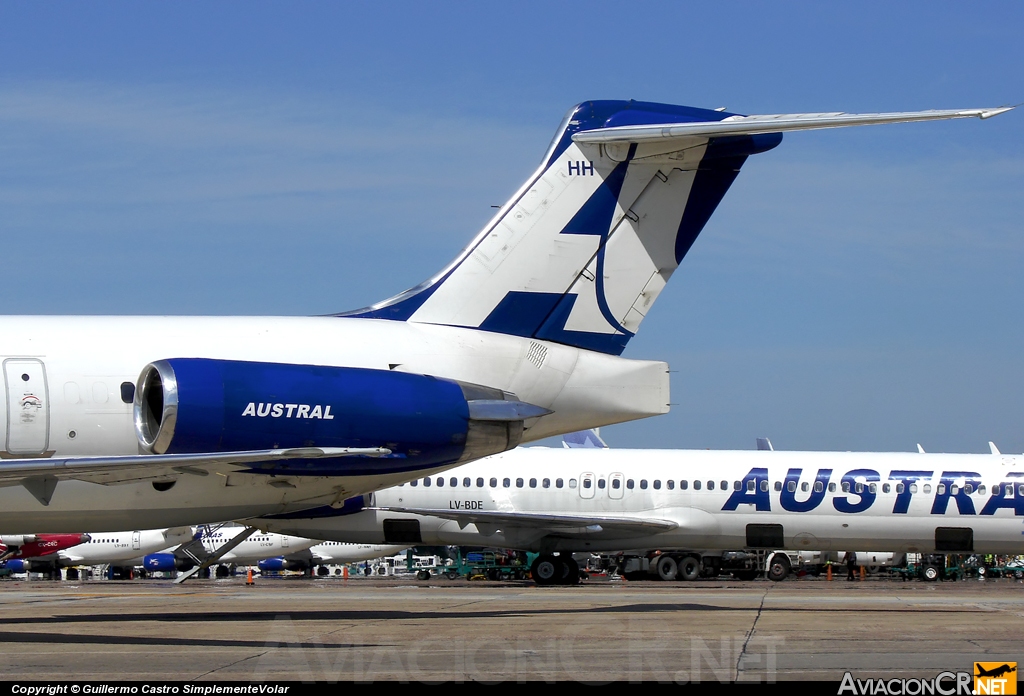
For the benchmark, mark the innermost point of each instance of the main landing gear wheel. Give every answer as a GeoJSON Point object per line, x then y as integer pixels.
{"type": "Point", "coordinates": [778, 568]}
{"type": "Point", "coordinates": [547, 570]}
{"type": "Point", "coordinates": [667, 568]}
{"type": "Point", "coordinates": [689, 569]}
{"type": "Point", "coordinates": [571, 572]}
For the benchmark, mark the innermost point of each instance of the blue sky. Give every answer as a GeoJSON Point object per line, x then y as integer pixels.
{"type": "Point", "coordinates": [856, 290]}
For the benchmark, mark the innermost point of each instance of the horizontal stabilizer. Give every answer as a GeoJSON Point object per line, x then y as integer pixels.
{"type": "Point", "coordinates": [770, 123]}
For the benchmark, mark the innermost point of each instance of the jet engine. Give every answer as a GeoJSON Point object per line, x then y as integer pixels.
{"type": "Point", "coordinates": [165, 563]}
{"type": "Point", "coordinates": [192, 405]}
{"type": "Point", "coordinates": [281, 563]}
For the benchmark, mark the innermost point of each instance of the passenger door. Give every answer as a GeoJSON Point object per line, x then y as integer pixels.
{"type": "Point", "coordinates": [28, 406]}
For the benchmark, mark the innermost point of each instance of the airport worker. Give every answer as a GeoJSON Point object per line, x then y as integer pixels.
{"type": "Point", "coordinates": [851, 564]}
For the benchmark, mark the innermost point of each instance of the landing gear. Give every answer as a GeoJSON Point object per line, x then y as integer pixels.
{"type": "Point", "coordinates": [222, 571]}
{"type": "Point", "coordinates": [778, 567]}
{"type": "Point", "coordinates": [323, 571]}
{"type": "Point", "coordinates": [547, 570]}
{"type": "Point", "coordinates": [571, 574]}
{"type": "Point", "coordinates": [667, 568]}
{"type": "Point", "coordinates": [689, 568]}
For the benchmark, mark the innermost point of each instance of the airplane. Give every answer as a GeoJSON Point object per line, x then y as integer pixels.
{"type": "Point", "coordinates": [224, 546]}
{"type": "Point", "coordinates": [327, 553]}
{"type": "Point", "coordinates": [123, 549]}
{"type": "Point", "coordinates": [696, 503]}
{"type": "Point", "coordinates": [16, 547]}
{"type": "Point", "coordinates": [114, 423]}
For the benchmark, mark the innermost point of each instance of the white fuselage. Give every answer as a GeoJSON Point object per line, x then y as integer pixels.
{"type": "Point", "coordinates": [128, 548]}
{"type": "Point", "coordinates": [71, 403]}
{"type": "Point", "coordinates": [256, 548]}
{"type": "Point", "coordinates": [339, 552]}
{"type": "Point", "coordinates": [903, 499]}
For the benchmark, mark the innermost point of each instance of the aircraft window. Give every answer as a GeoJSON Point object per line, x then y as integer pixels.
{"type": "Point", "coordinates": [670, 484]}
{"type": "Point", "coordinates": [558, 483]}
{"type": "Point", "coordinates": [616, 484]}
{"type": "Point", "coordinates": [440, 482]}
{"type": "Point", "coordinates": [586, 483]}
{"type": "Point", "coordinates": [600, 483]}
{"type": "Point", "coordinates": [711, 485]}
{"type": "Point", "coordinates": [454, 482]}
{"type": "Point", "coordinates": [519, 483]}
{"type": "Point", "coordinates": [467, 483]}
{"type": "Point", "coordinates": [426, 482]}
{"type": "Point", "coordinates": [818, 487]}
{"type": "Point", "coordinates": [533, 483]}
{"type": "Point", "coordinates": [493, 482]}
{"type": "Point", "coordinates": [725, 485]}
{"type": "Point", "coordinates": [643, 484]}
{"type": "Point", "coordinates": [831, 488]}
{"type": "Point", "coordinates": [940, 489]}
{"type": "Point", "coordinates": [764, 485]}
{"type": "Point", "coordinates": [778, 485]}
{"type": "Point", "coordinates": [1020, 490]}
{"type": "Point", "coordinates": [804, 486]}
{"type": "Point", "coordinates": [885, 487]}
{"type": "Point", "coordinates": [846, 486]}
{"type": "Point", "coordinates": [479, 483]}
{"type": "Point", "coordinates": [736, 485]}
{"type": "Point", "coordinates": [751, 485]}
{"type": "Point", "coordinates": [858, 487]}
{"type": "Point", "coordinates": [900, 488]}
{"type": "Point", "coordinates": [546, 483]}
{"type": "Point", "coordinates": [954, 489]}
{"type": "Point", "coordinates": [981, 489]}
{"type": "Point", "coordinates": [127, 392]}
{"type": "Point", "coordinates": [657, 484]}
{"type": "Point", "coordinates": [968, 488]}
{"type": "Point", "coordinates": [629, 484]}
{"type": "Point", "coordinates": [926, 489]}
{"type": "Point", "coordinates": [506, 482]}
{"type": "Point", "coordinates": [572, 483]}
{"type": "Point", "coordinates": [873, 487]}
{"type": "Point", "coordinates": [414, 483]}
{"type": "Point", "coordinates": [791, 486]}
{"type": "Point", "coordinates": [683, 485]}
{"type": "Point", "coordinates": [696, 485]}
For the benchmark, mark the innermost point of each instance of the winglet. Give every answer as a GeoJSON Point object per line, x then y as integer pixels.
{"type": "Point", "coordinates": [920, 449]}
{"type": "Point", "coordinates": [992, 446]}
{"type": "Point", "coordinates": [764, 444]}
{"type": "Point", "coordinates": [989, 113]}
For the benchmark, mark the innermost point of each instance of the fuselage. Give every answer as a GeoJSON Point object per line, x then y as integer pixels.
{"type": "Point", "coordinates": [821, 501]}
{"type": "Point", "coordinates": [70, 383]}
{"type": "Point", "coordinates": [126, 548]}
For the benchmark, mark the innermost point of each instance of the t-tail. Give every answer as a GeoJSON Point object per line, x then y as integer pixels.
{"type": "Point", "coordinates": [581, 252]}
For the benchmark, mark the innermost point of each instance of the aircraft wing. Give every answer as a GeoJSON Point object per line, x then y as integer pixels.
{"type": "Point", "coordinates": [769, 123]}
{"type": "Point", "coordinates": [40, 475]}
{"type": "Point", "coordinates": [556, 523]}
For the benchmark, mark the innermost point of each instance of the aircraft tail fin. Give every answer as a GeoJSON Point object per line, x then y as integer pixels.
{"type": "Point", "coordinates": [581, 252]}
{"type": "Point", "coordinates": [586, 439]}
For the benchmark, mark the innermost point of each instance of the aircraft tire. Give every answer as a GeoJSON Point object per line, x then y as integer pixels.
{"type": "Point", "coordinates": [930, 573]}
{"type": "Point", "coordinates": [546, 570]}
{"type": "Point", "coordinates": [570, 572]}
{"type": "Point", "coordinates": [689, 568]}
{"type": "Point", "coordinates": [667, 568]}
{"type": "Point", "coordinates": [778, 567]}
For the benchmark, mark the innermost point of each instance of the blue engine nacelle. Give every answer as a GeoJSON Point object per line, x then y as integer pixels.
{"type": "Point", "coordinates": [165, 563]}
{"type": "Point", "coordinates": [16, 565]}
{"type": "Point", "coordinates": [281, 563]}
{"type": "Point", "coordinates": [190, 405]}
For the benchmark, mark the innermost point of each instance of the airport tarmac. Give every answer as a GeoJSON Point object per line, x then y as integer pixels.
{"type": "Point", "coordinates": [397, 628]}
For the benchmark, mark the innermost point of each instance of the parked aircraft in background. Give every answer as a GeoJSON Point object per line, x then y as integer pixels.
{"type": "Point", "coordinates": [24, 546]}
{"type": "Point", "coordinates": [327, 553]}
{"type": "Point", "coordinates": [119, 422]}
{"type": "Point", "coordinates": [107, 548]}
{"type": "Point", "coordinates": [697, 503]}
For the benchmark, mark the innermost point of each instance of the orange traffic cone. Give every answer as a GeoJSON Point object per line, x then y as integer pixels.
{"type": "Point", "coordinates": [248, 578]}
{"type": "Point", "coordinates": [828, 572]}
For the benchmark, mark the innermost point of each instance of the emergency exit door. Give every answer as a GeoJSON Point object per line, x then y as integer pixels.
{"type": "Point", "coordinates": [28, 406]}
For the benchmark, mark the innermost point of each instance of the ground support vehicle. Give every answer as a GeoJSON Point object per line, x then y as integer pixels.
{"type": "Point", "coordinates": [479, 565]}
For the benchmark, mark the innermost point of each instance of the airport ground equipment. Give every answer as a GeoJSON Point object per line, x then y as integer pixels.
{"type": "Point", "coordinates": [478, 565]}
